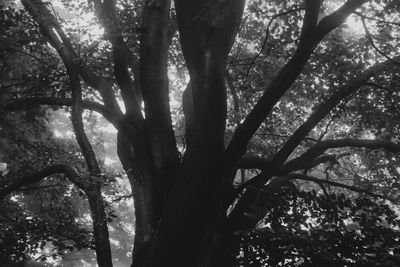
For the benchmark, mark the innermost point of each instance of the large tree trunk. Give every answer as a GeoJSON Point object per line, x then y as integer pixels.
{"type": "Point", "coordinates": [131, 152]}
{"type": "Point", "coordinates": [185, 236]}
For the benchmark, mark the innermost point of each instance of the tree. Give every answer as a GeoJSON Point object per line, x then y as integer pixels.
{"type": "Point", "coordinates": [187, 207]}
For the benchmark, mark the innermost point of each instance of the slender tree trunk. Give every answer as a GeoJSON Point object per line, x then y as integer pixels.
{"type": "Point", "coordinates": [100, 230]}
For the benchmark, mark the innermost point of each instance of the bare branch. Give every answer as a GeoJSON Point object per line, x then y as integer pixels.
{"type": "Point", "coordinates": [114, 119]}
{"type": "Point", "coordinates": [311, 34]}
{"type": "Point", "coordinates": [321, 147]}
{"type": "Point", "coordinates": [332, 183]}
{"type": "Point", "coordinates": [253, 59]}
{"type": "Point", "coordinates": [69, 171]}
{"type": "Point", "coordinates": [20, 103]}
{"type": "Point", "coordinates": [376, 19]}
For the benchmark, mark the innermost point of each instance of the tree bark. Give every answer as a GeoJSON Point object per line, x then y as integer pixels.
{"type": "Point", "coordinates": [185, 236]}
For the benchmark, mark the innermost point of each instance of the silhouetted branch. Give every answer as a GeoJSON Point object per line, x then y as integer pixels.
{"type": "Point", "coordinates": [123, 59]}
{"type": "Point", "coordinates": [321, 147]}
{"type": "Point", "coordinates": [69, 171]}
{"type": "Point", "coordinates": [253, 59]}
{"type": "Point", "coordinates": [311, 34]}
{"type": "Point", "coordinates": [20, 103]}
{"type": "Point", "coordinates": [371, 40]}
{"type": "Point", "coordinates": [332, 183]}
{"type": "Point", "coordinates": [376, 19]}
{"type": "Point", "coordinates": [324, 108]}
{"type": "Point", "coordinates": [58, 39]}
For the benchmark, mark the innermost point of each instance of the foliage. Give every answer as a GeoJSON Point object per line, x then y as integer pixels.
{"type": "Point", "coordinates": [296, 225]}
{"type": "Point", "coordinates": [309, 229]}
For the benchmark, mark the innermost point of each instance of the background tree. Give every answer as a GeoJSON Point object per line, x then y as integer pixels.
{"type": "Point", "coordinates": [247, 108]}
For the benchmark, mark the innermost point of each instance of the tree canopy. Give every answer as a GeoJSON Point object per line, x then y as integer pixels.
{"type": "Point", "coordinates": [200, 133]}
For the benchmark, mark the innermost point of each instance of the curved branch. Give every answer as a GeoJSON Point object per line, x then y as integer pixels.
{"type": "Point", "coordinates": [321, 147]}
{"type": "Point", "coordinates": [324, 108]}
{"type": "Point", "coordinates": [376, 19]}
{"type": "Point", "coordinates": [123, 59]}
{"type": "Point", "coordinates": [67, 170]}
{"type": "Point", "coordinates": [117, 121]}
{"type": "Point", "coordinates": [371, 40]}
{"type": "Point", "coordinates": [335, 19]}
{"type": "Point", "coordinates": [267, 31]}
{"type": "Point", "coordinates": [336, 184]}
{"type": "Point", "coordinates": [58, 39]}
{"type": "Point", "coordinates": [282, 82]}
{"type": "Point", "coordinates": [311, 34]}
{"type": "Point", "coordinates": [20, 103]}
{"type": "Point", "coordinates": [252, 162]}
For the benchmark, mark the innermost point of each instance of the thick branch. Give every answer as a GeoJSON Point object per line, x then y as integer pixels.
{"type": "Point", "coordinates": [278, 87]}
{"type": "Point", "coordinates": [69, 171]}
{"type": "Point", "coordinates": [252, 163]}
{"type": "Point", "coordinates": [335, 19]}
{"type": "Point", "coordinates": [323, 109]}
{"type": "Point", "coordinates": [58, 39]}
{"type": "Point", "coordinates": [321, 147]}
{"type": "Point", "coordinates": [310, 36]}
{"type": "Point", "coordinates": [21, 103]}
{"type": "Point", "coordinates": [123, 59]}
{"type": "Point", "coordinates": [118, 122]}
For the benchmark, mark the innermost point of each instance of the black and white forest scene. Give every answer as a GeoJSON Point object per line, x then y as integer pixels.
{"type": "Point", "coordinates": [199, 133]}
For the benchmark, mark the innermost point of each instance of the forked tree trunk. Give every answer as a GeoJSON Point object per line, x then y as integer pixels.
{"type": "Point", "coordinates": [185, 235]}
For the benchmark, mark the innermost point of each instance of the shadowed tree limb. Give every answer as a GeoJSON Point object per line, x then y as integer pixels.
{"type": "Point", "coordinates": [58, 39]}
{"type": "Point", "coordinates": [311, 34]}
{"type": "Point", "coordinates": [21, 103]}
{"type": "Point", "coordinates": [264, 43]}
{"type": "Point", "coordinates": [114, 119]}
{"type": "Point", "coordinates": [376, 19]}
{"type": "Point", "coordinates": [336, 184]}
{"type": "Point", "coordinates": [323, 109]}
{"type": "Point", "coordinates": [69, 172]}
{"type": "Point", "coordinates": [318, 149]}
{"type": "Point", "coordinates": [123, 59]}
{"type": "Point", "coordinates": [52, 30]}
{"type": "Point", "coordinates": [252, 162]}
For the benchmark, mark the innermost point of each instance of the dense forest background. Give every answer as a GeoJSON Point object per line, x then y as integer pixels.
{"type": "Point", "coordinates": [199, 133]}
